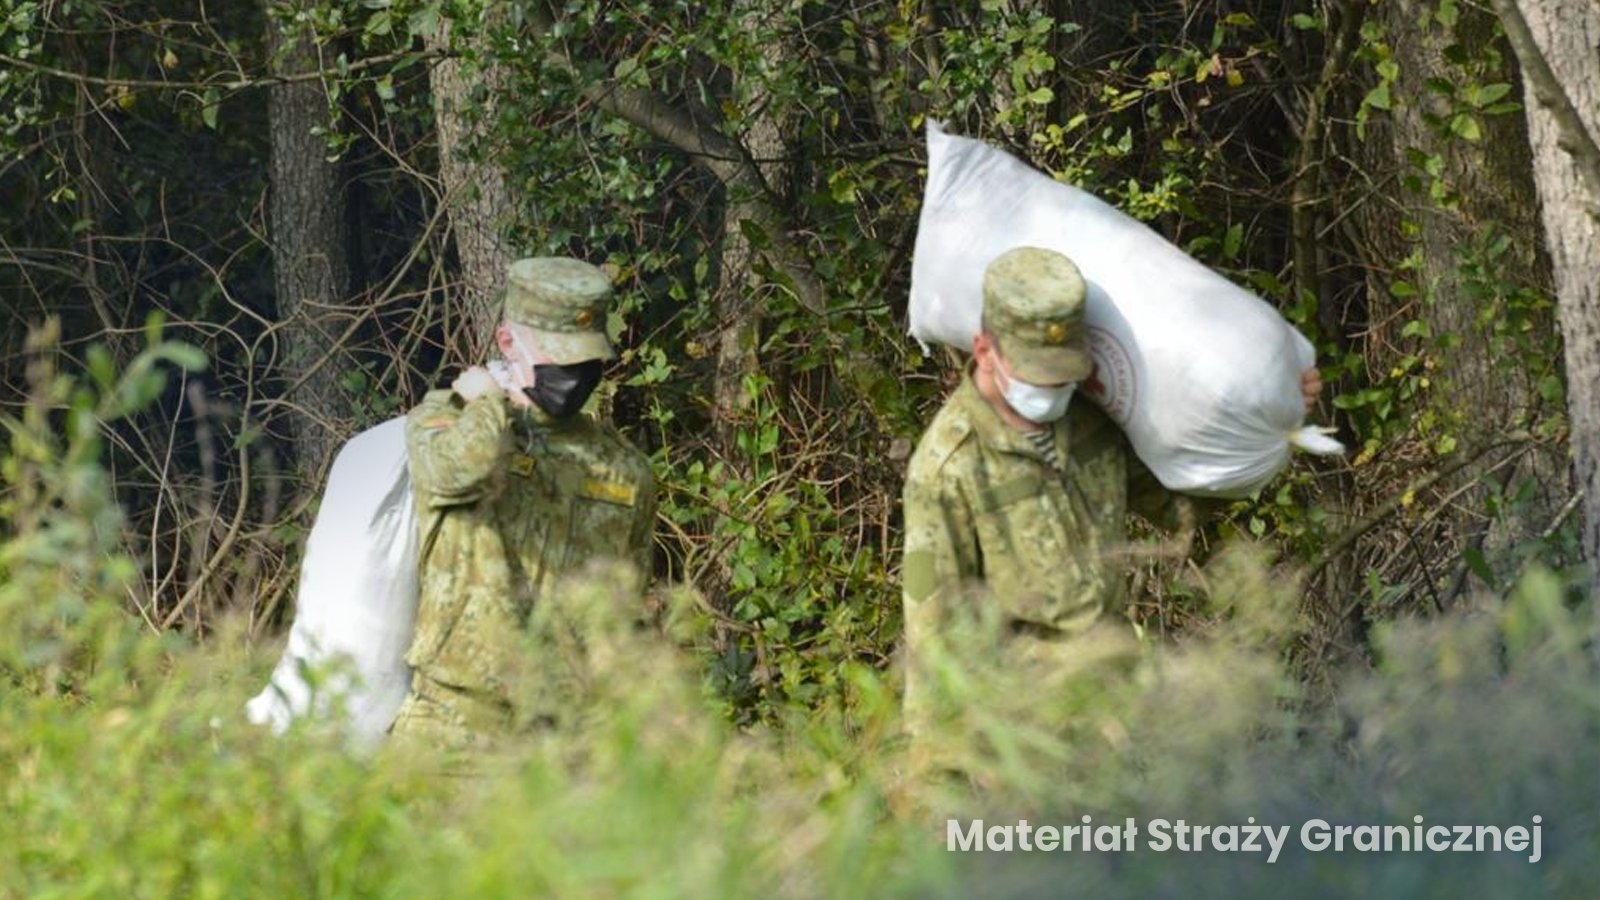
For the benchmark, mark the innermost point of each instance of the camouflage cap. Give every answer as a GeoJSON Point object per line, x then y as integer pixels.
{"type": "Point", "coordinates": [564, 302]}
{"type": "Point", "coordinates": [1033, 306]}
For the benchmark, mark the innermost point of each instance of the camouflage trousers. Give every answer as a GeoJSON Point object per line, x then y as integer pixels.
{"type": "Point", "coordinates": [465, 732]}
{"type": "Point", "coordinates": [1037, 661]}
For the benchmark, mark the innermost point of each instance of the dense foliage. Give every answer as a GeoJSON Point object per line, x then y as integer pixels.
{"type": "Point", "coordinates": [133, 774]}
{"type": "Point", "coordinates": [1408, 634]}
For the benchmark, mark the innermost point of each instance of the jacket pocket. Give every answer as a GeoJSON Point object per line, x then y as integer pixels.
{"type": "Point", "coordinates": [1039, 554]}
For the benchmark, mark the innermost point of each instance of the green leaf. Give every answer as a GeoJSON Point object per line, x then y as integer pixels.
{"type": "Point", "coordinates": [82, 423]}
{"type": "Point", "coordinates": [842, 186]}
{"type": "Point", "coordinates": [1305, 22]}
{"type": "Point", "coordinates": [1489, 93]}
{"type": "Point", "coordinates": [208, 107]}
{"type": "Point", "coordinates": [1473, 557]}
{"type": "Point", "coordinates": [153, 324]}
{"type": "Point", "coordinates": [380, 24]}
{"type": "Point", "coordinates": [424, 22]}
{"type": "Point", "coordinates": [139, 391]}
{"type": "Point", "coordinates": [186, 356]}
{"type": "Point", "coordinates": [1466, 126]}
{"type": "Point", "coordinates": [625, 68]}
{"type": "Point", "coordinates": [1552, 390]}
{"type": "Point", "coordinates": [755, 234]}
{"type": "Point", "coordinates": [1233, 241]}
{"type": "Point", "coordinates": [1378, 97]}
{"type": "Point", "coordinates": [101, 366]}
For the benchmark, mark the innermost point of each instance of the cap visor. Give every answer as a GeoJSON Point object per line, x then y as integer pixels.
{"type": "Point", "coordinates": [567, 348]}
{"type": "Point", "coordinates": [1048, 365]}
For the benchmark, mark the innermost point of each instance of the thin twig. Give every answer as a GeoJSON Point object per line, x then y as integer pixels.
{"type": "Point", "coordinates": [1394, 503]}
{"type": "Point", "coordinates": [235, 84]}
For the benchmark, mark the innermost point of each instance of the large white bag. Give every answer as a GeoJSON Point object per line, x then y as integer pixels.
{"type": "Point", "coordinates": [357, 599]}
{"type": "Point", "coordinates": [1202, 375]}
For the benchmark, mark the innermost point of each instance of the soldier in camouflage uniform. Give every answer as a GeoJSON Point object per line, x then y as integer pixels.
{"type": "Point", "coordinates": [515, 488]}
{"type": "Point", "coordinates": [1019, 493]}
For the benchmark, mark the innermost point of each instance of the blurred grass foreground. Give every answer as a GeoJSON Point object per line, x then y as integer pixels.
{"type": "Point", "coordinates": [127, 769]}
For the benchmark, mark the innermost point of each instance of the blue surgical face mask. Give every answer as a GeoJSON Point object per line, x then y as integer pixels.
{"type": "Point", "coordinates": [1040, 405]}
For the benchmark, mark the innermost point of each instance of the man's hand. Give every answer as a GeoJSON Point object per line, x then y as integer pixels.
{"type": "Point", "coordinates": [1310, 387]}
{"type": "Point", "coordinates": [474, 383]}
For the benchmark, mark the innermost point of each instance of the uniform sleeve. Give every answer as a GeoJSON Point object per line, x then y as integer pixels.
{"type": "Point", "coordinates": [641, 543]}
{"type": "Point", "coordinates": [454, 448]}
{"type": "Point", "coordinates": [940, 557]}
{"type": "Point", "coordinates": [939, 548]}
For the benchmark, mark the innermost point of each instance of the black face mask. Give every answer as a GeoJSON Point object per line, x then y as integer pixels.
{"type": "Point", "coordinates": [562, 390]}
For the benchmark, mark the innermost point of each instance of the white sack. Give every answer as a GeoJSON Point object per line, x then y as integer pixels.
{"type": "Point", "coordinates": [357, 599]}
{"type": "Point", "coordinates": [1202, 375]}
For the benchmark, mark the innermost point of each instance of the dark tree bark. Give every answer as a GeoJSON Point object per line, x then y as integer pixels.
{"type": "Point", "coordinates": [311, 273]}
{"type": "Point", "coordinates": [1433, 238]}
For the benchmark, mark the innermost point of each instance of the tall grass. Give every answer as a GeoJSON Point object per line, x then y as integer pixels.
{"type": "Point", "coordinates": [127, 769]}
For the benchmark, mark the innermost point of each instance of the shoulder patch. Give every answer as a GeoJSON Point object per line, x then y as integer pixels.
{"type": "Point", "coordinates": [521, 464]}
{"type": "Point", "coordinates": [607, 491]}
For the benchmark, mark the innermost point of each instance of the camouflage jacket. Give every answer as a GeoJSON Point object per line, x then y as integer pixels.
{"type": "Point", "coordinates": [509, 500]}
{"type": "Point", "coordinates": [982, 504]}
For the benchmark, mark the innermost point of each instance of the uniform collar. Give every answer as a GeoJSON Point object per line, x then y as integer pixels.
{"type": "Point", "coordinates": [993, 431]}
{"type": "Point", "coordinates": [534, 418]}
{"type": "Point", "coordinates": [535, 415]}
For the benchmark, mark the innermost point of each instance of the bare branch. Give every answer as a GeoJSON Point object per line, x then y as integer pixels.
{"type": "Point", "coordinates": [719, 154]}
{"type": "Point", "coordinates": [1306, 194]}
{"type": "Point", "coordinates": [229, 84]}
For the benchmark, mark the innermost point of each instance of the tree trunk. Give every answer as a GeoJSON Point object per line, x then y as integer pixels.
{"type": "Point", "coordinates": [738, 318]}
{"type": "Point", "coordinates": [1556, 43]}
{"type": "Point", "coordinates": [1485, 390]}
{"type": "Point", "coordinates": [479, 201]}
{"type": "Point", "coordinates": [738, 312]}
{"type": "Point", "coordinates": [310, 267]}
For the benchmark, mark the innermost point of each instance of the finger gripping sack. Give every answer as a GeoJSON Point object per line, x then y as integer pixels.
{"type": "Point", "coordinates": [1202, 375]}
{"type": "Point", "coordinates": [356, 604]}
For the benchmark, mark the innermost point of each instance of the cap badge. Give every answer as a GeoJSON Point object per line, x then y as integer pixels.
{"type": "Point", "coordinates": [1055, 333]}
{"type": "Point", "coordinates": [584, 317]}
